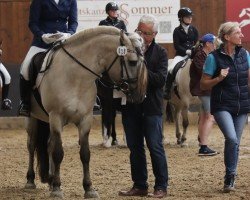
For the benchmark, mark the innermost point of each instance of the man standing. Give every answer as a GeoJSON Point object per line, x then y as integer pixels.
{"type": "Point", "coordinates": [145, 120]}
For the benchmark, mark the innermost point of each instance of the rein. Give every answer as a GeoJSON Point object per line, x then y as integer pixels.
{"type": "Point", "coordinates": [123, 85]}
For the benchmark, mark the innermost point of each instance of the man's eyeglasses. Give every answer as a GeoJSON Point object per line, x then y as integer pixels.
{"type": "Point", "coordinates": [144, 33]}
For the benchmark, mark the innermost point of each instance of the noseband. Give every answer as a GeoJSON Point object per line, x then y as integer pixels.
{"type": "Point", "coordinates": [105, 79]}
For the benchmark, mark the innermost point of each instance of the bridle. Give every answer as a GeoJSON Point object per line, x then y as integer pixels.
{"type": "Point", "coordinates": [105, 79]}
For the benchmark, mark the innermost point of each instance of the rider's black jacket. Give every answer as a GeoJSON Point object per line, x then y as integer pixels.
{"type": "Point", "coordinates": [184, 41]}
{"type": "Point", "coordinates": [113, 22]}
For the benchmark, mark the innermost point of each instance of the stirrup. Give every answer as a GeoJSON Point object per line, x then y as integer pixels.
{"type": "Point", "coordinates": [24, 110]}
{"type": "Point", "coordinates": [6, 104]}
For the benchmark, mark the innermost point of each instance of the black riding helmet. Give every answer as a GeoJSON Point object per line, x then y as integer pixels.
{"type": "Point", "coordinates": [184, 12]}
{"type": "Point", "coordinates": [111, 6]}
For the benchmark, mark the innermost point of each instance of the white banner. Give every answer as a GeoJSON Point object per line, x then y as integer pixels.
{"type": "Point", "coordinates": [90, 13]}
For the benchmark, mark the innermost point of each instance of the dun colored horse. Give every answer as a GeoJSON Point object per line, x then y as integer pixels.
{"type": "Point", "coordinates": [68, 93]}
{"type": "Point", "coordinates": [181, 102]}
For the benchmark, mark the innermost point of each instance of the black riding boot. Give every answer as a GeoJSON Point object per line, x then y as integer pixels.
{"type": "Point", "coordinates": [25, 94]}
{"type": "Point", "coordinates": [168, 86]}
{"type": "Point", "coordinates": [6, 102]}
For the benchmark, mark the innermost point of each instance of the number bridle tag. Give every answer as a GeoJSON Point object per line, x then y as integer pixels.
{"type": "Point", "coordinates": [122, 50]}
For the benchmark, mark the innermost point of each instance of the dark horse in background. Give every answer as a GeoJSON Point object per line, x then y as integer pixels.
{"type": "Point", "coordinates": [110, 106]}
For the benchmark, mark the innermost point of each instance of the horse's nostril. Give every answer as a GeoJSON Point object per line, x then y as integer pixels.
{"type": "Point", "coordinates": [132, 63]}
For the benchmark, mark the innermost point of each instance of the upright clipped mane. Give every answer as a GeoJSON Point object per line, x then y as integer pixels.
{"type": "Point", "coordinates": [92, 32]}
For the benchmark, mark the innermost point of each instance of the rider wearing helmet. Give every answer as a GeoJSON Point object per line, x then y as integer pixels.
{"type": "Point", "coordinates": [185, 37]}
{"type": "Point", "coordinates": [112, 18]}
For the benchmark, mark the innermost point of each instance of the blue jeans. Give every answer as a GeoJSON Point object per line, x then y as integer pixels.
{"type": "Point", "coordinates": [232, 127]}
{"type": "Point", "coordinates": [137, 127]}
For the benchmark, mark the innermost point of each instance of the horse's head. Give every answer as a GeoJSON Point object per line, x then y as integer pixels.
{"type": "Point", "coordinates": [133, 73]}
{"type": "Point", "coordinates": [112, 52]}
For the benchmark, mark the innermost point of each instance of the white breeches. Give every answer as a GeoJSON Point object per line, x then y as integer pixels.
{"type": "Point", "coordinates": [6, 74]}
{"type": "Point", "coordinates": [174, 62]}
{"type": "Point", "coordinates": [26, 63]}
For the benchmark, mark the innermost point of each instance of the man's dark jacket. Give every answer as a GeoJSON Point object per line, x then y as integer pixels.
{"type": "Point", "coordinates": [157, 64]}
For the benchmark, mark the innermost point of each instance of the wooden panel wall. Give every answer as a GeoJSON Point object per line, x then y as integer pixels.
{"type": "Point", "coordinates": [14, 30]}
{"type": "Point", "coordinates": [208, 15]}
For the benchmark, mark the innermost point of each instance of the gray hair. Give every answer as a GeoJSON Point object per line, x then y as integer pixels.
{"type": "Point", "coordinates": [226, 29]}
{"type": "Point", "coordinates": [150, 19]}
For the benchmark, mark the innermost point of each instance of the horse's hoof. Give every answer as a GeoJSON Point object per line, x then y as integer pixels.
{"type": "Point", "coordinates": [91, 194]}
{"type": "Point", "coordinates": [114, 143]}
{"type": "Point", "coordinates": [184, 145]}
{"type": "Point", "coordinates": [179, 142]}
{"type": "Point", "coordinates": [30, 186]}
{"type": "Point", "coordinates": [57, 193]}
{"type": "Point", "coordinates": [107, 143]}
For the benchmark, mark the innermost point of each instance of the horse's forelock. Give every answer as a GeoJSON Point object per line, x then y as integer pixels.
{"type": "Point", "coordinates": [136, 40]}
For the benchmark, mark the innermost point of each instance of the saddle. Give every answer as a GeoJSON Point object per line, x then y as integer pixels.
{"type": "Point", "coordinates": [178, 66]}
{"type": "Point", "coordinates": [35, 66]}
{"type": "Point", "coordinates": [37, 62]}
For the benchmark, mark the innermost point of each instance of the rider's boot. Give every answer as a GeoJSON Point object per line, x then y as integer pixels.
{"type": "Point", "coordinates": [6, 102]}
{"type": "Point", "coordinates": [25, 94]}
{"type": "Point", "coordinates": [168, 86]}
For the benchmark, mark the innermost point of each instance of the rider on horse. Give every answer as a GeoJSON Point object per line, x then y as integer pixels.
{"type": "Point", "coordinates": [112, 18]}
{"type": "Point", "coordinates": [185, 37]}
{"type": "Point", "coordinates": [56, 22]}
{"type": "Point", "coordinates": [6, 103]}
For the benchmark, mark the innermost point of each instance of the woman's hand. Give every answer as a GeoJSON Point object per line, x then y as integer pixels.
{"type": "Point", "coordinates": [223, 74]}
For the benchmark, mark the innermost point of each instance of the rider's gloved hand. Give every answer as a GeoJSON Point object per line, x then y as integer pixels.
{"type": "Point", "coordinates": [64, 36]}
{"type": "Point", "coordinates": [188, 52]}
{"type": "Point", "coordinates": [49, 38]}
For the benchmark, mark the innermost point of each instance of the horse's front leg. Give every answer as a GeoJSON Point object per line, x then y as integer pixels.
{"type": "Point", "coordinates": [56, 154]}
{"type": "Point", "coordinates": [185, 124]}
{"type": "Point", "coordinates": [31, 145]}
{"type": "Point", "coordinates": [177, 125]}
{"type": "Point", "coordinates": [84, 129]}
{"type": "Point", "coordinates": [113, 133]}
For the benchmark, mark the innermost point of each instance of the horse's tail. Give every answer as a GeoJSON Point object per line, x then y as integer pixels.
{"type": "Point", "coordinates": [142, 80]}
{"type": "Point", "coordinates": [43, 133]}
{"type": "Point", "coordinates": [169, 112]}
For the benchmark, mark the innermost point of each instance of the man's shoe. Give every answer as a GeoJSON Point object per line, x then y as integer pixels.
{"type": "Point", "coordinates": [229, 184]}
{"type": "Point", "coordinates": [158, 194]}
{"type": "Point", "coordinates": [6, 104]}
{"type": "Point", "coordinates": [134, 192]}
{"type": "Point", "coordinates": [24, 110]}
{"type": "Point", "coordinates": [207, 152]}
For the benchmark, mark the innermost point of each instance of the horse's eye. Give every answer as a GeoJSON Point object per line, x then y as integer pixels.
{"type": "Point", "coordinates": [132, 63]}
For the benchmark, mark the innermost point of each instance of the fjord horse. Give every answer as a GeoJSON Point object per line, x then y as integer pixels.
{"type": "Point", "coordinates": [68, 93]}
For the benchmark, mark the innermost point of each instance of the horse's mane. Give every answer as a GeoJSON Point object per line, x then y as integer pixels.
{"type": "Point", "coordinates": [136, 40]}
{"type": "Point", "coordinates": [86, 34]}
{"type": "Point", "coordinates": [93, 32]}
